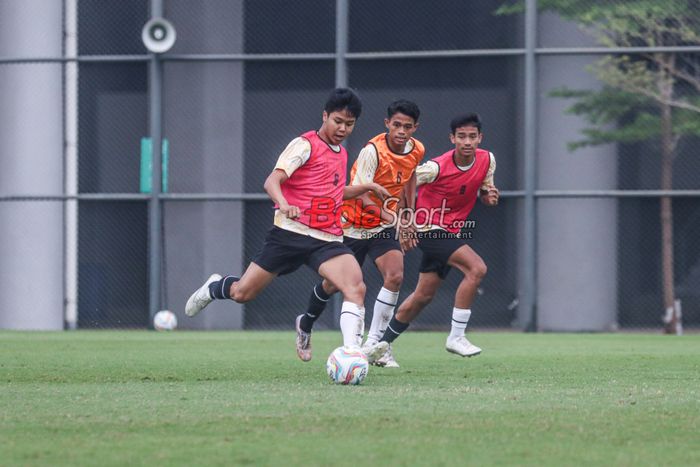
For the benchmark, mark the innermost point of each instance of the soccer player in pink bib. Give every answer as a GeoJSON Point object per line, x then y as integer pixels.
{"type": "Point", "coordinates": [310, 172]}
{"type": "Point", "coordinates": [448, 188]}
{"type": "Point", "coordinates": [389, 159]}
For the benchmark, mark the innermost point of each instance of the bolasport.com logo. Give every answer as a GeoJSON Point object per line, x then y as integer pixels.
{"type": "Point", "coordinates": [324, 213]}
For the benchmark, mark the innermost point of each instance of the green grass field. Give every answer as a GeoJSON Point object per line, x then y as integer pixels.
{"type": "Point", "coordinates": [243, 398]}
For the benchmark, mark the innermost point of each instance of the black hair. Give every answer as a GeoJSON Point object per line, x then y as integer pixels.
{"type": "Point", "coordinates": [465, 120]}
{"type": "Point", "coordinates": [405, 107]}
{"type": "Point", "coordinates": [344, 99]}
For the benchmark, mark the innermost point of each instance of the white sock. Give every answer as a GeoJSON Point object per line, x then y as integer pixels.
{"type": "Point", "coordinates": [460, 318]}
{"type": "Point", "coordinates": [383, 311]}
{"type": "Point", "coordinates": [352, 324]}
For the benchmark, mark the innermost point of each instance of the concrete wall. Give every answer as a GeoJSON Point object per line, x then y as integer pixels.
{"type": "Point", "coordinates": [203, 119]}
{"type": "Point", "coordinates": [31, 157]}
{"type": "Point", "coordinates": [576, 238]}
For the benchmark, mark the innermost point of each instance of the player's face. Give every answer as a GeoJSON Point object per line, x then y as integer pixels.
{"type": "Point", "coordinates": [401, 127]}
{"type": "Point", "coordinates": [466, 140]}
{"type": "Point", "coordinates": [337, 126]}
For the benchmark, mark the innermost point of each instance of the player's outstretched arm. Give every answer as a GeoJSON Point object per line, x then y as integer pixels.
{"type": "Point", "coordinates": [274, 191]}
{"type": "Point", "coordinates": [405, 226]}
{"type": "Point", "coordinates": [407, 237]}
{"type": "Point", "coordinates": [489, 192]}
{"type": "Point", "coordinates": [381, 192]}
{"type": "Point", "coordinates": [355, 191]}
{"type": "Point", "coordinates": [489, 196]}
{"type": "Point", "coordinates": [408, 194]}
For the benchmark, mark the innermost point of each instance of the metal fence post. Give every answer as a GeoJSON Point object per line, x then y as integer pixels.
{"type": "Point", "coordinates": [341, 81]}
{"type": "Point", "coordinates": [341, 43]}
{"type": "Point", "coordinates": [155, 85]}
{"type": "Point", "coordinates": [530, 222]}
{"type": "Point", "coordinates": [70, 129]}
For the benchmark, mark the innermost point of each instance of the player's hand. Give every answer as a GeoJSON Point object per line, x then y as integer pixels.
{"type": "Point", "coordinates": [490, 196]}
{"type": "Point", "coordinates": [379, 190]}
{"type": "Point", "coordinates": [292, 212]}
{"type": "Point", "coordinates": [408, 238]}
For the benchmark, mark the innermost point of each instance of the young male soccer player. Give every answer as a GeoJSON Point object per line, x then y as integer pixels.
{"type": "Point", "coordinates": [312, 167]}
{"type": "Point", "coordinates": [389, 159]}
{"type": "Point", "coordinates": [448, 190]}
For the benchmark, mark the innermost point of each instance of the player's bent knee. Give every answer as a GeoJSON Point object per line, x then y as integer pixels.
{"type": "Point", "coordinates": [329, 287]}
{"type": "Point", "coordinates": [355, 292]}
{"type": "Point", "coordinates": [393, 280]}
{"type": "Point", "coordinates": [479, 271]}
{"type": "Point", "coordinates": [361, 289]}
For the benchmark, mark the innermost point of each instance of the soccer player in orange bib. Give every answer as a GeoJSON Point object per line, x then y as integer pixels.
{"type": "Point", "coordinates": [449, 186]}
{"type": "Point", "coordinates": [390, 160]}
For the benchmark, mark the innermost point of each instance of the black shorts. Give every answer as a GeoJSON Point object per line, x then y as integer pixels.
{"type": "Point", "coordinates": [437, 246]}
{"type": "Point", "coordinates": [375, 245]}
{"type": "Point", "coordinates": [284, 251]}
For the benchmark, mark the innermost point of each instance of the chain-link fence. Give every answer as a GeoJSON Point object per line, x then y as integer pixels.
{"type": "Point", "coordinates": [577, 242]}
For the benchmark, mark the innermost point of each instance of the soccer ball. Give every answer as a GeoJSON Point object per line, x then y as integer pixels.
{"type": "Point", "coordinates": [347, 366]}
{"type": "Point", "coordinates": [164, 320]}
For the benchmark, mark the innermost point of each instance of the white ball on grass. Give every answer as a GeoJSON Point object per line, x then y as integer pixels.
{"type": "Point", "coordinates": [347, 366]}
{"type": "Point", "coordinates": [165, 320]}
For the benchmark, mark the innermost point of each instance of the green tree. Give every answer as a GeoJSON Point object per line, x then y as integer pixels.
{"type": "Point", "coordinates": [651, 96]}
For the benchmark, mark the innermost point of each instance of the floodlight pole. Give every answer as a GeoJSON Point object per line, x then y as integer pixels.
{"type": "Point", "coordinates": [528, 308]}
{"type": "Point", "coordinates": [155, 91]}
